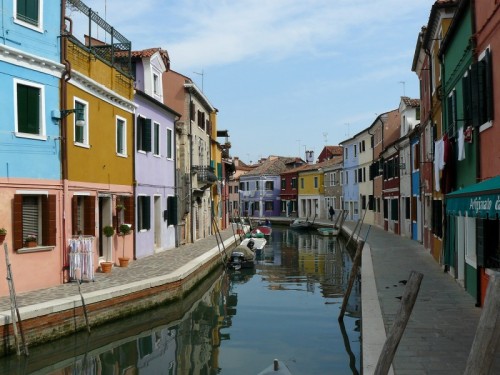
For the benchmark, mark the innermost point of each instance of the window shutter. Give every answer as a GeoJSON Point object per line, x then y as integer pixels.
{"type": "Point", "coordinates": [89, 216]}
{"type": "Point", "coordinates": [129, 213]}
{"type": "Point", "coordinates": [74, 215]}
{"type": "Point", "coordinates": [147, 212]}
{"type": "Point", "coordinates": [466, 99]}
{"type": "Point", "coordinates": [49, 225]}
{"type": "Point", "coordinates": [191, 111]}
{"type": "Point", "coordinates": [474, 95]}
{"type": "Point", "coordinates": [172, 210]}
{"type": "Point", "coordinates": [18, 222]}
{"type": "Point", "coordinates": [33, 125]}
{"type": "Point", "coordinates": [488, 86]}
{"type": "Point", "coordinates": [146, 135]}
{"type": "Point", "coordinates": [140, 130]}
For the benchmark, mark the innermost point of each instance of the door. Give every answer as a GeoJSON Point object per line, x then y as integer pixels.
{"type": "Point", "coordinates": [105, 219]}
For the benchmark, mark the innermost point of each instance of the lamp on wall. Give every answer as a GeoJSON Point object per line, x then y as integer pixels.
{"type": "Point", "coordinates": [65, 112]}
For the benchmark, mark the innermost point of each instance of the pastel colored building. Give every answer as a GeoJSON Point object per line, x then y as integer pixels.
{"type": "Point", "coordinates": [350, 187]}
{"type": "Point", "coordinates": [155, 196]}
{"type": "Point", "coordinates": [30, 142]}
{"type": "Point", "coordinates": [97, 123]}
{"type": "Point", "coordinates": [195, 167]}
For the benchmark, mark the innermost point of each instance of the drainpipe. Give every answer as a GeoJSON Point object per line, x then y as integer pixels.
{"type": "Point", "coordinates": [66, 76]}
{"type": "Point", "coordinates": [174, 152]}
{"type": "Point", "coordinates": [478, 143]}
{"type": "Point", "coordinates": [190, 135]}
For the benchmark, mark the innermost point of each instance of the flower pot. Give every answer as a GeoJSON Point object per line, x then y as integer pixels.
{"type": "Point", "coordinates": [106, 267]}
{"type": "Point", "coordinates": [124, 262]}
{"type": "Point", "coordinates": [30, 244]}
{"type": "Point", "coordinates": [2, 238]}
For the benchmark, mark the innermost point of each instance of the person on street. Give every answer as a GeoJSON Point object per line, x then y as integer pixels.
{"type": "Point", "coordinates": [332, 212]}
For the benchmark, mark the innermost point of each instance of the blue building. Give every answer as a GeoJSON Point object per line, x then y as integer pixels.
{"type": "Point", "coordinates": [30, 166]}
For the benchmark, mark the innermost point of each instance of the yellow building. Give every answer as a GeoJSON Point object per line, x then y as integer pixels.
{"type": "Point", "coordinates": [311, 191]}
{"type": "Point", "coordinates": [97, 120]}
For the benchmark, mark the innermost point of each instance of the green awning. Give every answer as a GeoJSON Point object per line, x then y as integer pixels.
{"type": "Point", "coordinates": [481, 199]}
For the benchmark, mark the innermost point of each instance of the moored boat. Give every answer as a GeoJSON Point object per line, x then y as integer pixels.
{"type": "Point", "coordinates": [243, 255]}
{"type": "Point", "coordinates": [330, 231]}
{"type": "Point", "coordinates": [300, 224]}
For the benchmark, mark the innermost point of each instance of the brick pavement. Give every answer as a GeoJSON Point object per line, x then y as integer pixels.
{"type": "Point", "coordinates": [160, 264]}
{"type": "Point", "coordinates": [442, 325]}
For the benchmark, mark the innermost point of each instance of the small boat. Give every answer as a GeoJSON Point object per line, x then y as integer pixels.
{"type": "Point", "coordinates": [243, 255]}
{"type": "Point", "coordinates": [300, 224]}
{"type": "Point", "coordinates": [277, 368]}
{"type": "Point", "coordinates": [265, 229]}
{"type": "Point", "coordinates": [330, 231]}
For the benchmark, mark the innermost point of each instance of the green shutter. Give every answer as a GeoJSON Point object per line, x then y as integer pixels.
{"type": "Point", "coordinates": [140, 129]}
{"type": "Point", "coordinates": [488, 86]}
{"type": "Point", "coordinates": [172, 210]}
{"type": "Point", "coordinates": [28, 109]}
{"type": "Point", "coordinates": [119, 137]}
{"type": "Point", "coordinates": [474, 95]}
{"type": "Point", "coordinates": [146, 135]}
{"type": "Point", "coordinates": [147, 213]}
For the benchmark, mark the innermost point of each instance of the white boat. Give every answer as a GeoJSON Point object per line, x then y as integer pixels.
{"type": "Point", "coordinates": [300, 224]}
{"type": "Point", "coordinates": [243, 255]}
{"type": "Point", "coordinates": [330, 231]}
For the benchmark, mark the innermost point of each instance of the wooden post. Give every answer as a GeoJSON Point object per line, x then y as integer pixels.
{"type": "Point", "coordinates": [354, 271]}
{"type": "Point", "coordinates": [483, 349]}
{"type": "Point", "coordinates": [398, 327]}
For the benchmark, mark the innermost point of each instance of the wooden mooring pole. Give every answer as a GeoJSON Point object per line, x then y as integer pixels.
{"type": "Point", "coordinates": [15, 315]}
{"type": "Point", "coordinates": [398, 327]}
{"type": "Point", "coordinates": [354, 271]}
{"type": "Point", "coordinates": [482, 353]}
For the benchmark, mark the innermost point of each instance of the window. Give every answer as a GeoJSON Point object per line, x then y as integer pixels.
{"type": "Point", "coordinates": [257, 185]}
{"type": "Point", "coordinates": [156, 84]}
{"type": "Point", "coordinates": [294, 182]}
{"type": "Point", "coordinates": [269, 185]}
{"type": "Point", "coordinates": [407, 208]}
{"type": "Point", "coordinates": [236, 189]}
{"type": "Point", "coordinates": [170, 144]}
{"type": "Point", "coordinates": [269, 205]}
{"type": "Point", "coordinates": [316, 182]}
{"type": "Point", "coordinates": [29, 13]}
{"type": "Point", "coordinates": [121, 137]}
{"type": "Point", "coordinates": [81, 129]}
{"type": "Point", "coordinates": [143, 212]}
{"type": "Point", "coordinates": [30, 108]}
{"type": "Point", "coordinates": [143, 134]}
{"type": "Point", "coordinates": [451, 111]}
{"type": "Point", "coordinates": [34, 215]}
{"type": "Point", "coordinates": [156, 146]}
{"type": "Point", "coordinates": [355, 150]}
{"type": "Point", "coordinates": [333, 176]}
{"type": "Point", "coordinates": [302, 183]}
{"type": "Point", "coordinates": [283, 184]}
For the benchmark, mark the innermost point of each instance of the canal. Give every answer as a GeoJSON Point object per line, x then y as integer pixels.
{"type": "Point", "coordinates": [234, 322]}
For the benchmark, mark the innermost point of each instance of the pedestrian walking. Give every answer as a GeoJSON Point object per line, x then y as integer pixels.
{"type": "Point", "coordinates": [332, 213]}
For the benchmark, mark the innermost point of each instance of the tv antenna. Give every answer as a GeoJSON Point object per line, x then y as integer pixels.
{"type": "Point", "coordinates": [202, 74]}
{"type": "Point", "coordinates": [403, 83]}
{"type": "Point", "coordinates": [325, 136]}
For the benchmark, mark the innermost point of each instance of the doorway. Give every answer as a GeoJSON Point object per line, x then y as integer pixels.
{"type": "Point", "coordinates": [105, 219]}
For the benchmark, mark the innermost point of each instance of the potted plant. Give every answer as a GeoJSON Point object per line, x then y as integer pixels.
{"type": "Point", "coordinates": [3, 233]}
{"type": "Point", "coordinates": [120, 207]}
{"type": "Point", "coordinates": [108, 231]}
{"type": "Point", "coordinates": [124, 230]}
{"type": "Point", "coordinates": [30, 240]}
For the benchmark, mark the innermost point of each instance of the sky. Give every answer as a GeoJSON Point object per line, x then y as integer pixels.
{"type": "Point", "coordinates": [286, 76]}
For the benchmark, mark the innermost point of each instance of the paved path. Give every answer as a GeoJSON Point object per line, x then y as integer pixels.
{"type": "Point", "coordinates": [441, 329]}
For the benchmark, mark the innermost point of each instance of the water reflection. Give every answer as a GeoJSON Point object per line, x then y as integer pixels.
{"type": "Point", "coordinates": [236, 322]}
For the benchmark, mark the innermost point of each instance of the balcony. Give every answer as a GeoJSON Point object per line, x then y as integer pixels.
{"type": "Point", "coordinates": [205, 175]}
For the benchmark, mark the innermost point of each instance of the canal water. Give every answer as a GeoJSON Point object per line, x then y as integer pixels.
{"type": "Point", "coordinates": [234, 322]}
